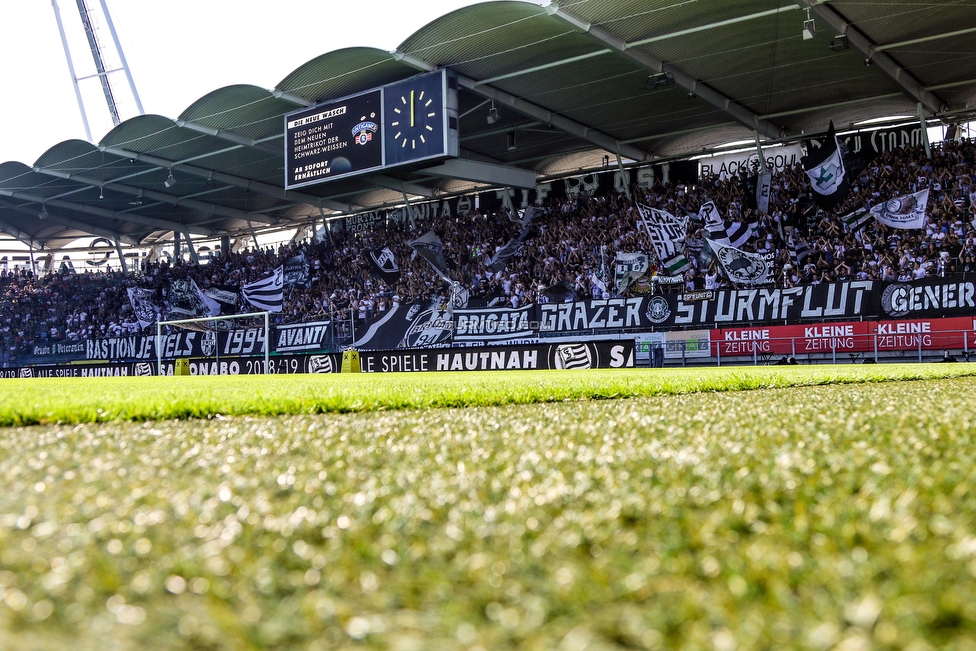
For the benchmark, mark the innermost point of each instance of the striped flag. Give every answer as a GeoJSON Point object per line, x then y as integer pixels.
{"type": "Point", "coordinates": [266, 294]}
{"type": "Point", "coordinates": [857, 219]}
{"type": "Point", "coordinates": [735, 234]}
{"type": "Point", "coordinates": [739, 233]}
{"type": "Point", "coordinates": [799, 250]}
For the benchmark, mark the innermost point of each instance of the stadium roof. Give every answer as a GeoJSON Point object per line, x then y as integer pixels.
{"type": "Point", "coordinates": [576, 80]}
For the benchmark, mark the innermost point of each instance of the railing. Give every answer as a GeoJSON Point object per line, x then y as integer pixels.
{"type": "Point", "coordinates": [835, 348]}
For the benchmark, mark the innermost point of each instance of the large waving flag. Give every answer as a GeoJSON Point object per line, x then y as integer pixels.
{"type": "Point", "coordinates": [266, 294]}
{"type": "Point", "coordinates": [903, 212]}
{"type": "Point", "coordinates": [736, 234]}
{"type": "Point", "coordinates": [383, 265]}
{"type": "Point", "coordinates": [143, 302]}
{"type": "Point", "coordinates": [742, 267]}
{"type": "Point", "coordinates": [667, 235]}
{"type": "Point", "coordinates": [629, 267]}
{"type": "Point", "coordinates": [429, 247]}
{"type": "Point", "coordinates": [825, 168]}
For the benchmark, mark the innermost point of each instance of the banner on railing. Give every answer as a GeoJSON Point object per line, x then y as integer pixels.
{"type": "Point", "coordinates": [574, 355]}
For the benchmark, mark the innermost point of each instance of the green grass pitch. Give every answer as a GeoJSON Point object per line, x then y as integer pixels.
{"type": "Point", "coordinates": [736, 508]}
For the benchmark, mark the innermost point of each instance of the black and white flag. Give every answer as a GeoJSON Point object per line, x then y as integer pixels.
{"type": "Point", "coordinates": [266, 294]}
{"type": "Point", "coordinates": [143, 302]}
{"type": "Point", "coordinates": [799, 250]}
{"type": "Point", "coordinates": [432, 328]}
{"type": "Point", "coordinates": [764, 184]}
{"type": "Point", "coordinates": [430, 248]}
{"type": "Point", "coordinates": [227, 297]}
{"type": "Point", "coordinates": [629, 267]}
{"type": "Point", "coordinates": [903, 212]}
{"type": "Point", "coordinates": [296, 271]}
{"type": "Point", "coordinates": [825, 168]}
{"type": "Point", "coordinates": [742, 267]}
{"type": "Point", "coordinates": [383, 265]}
{"type": "Point", "coordinates": [504, 254]}
{"type": "Point", "coordinates": [186, 299]}
{"type": "Point", "coordinates": [667, 234]}
{"type": "Point", "coordinates": [736, 234]}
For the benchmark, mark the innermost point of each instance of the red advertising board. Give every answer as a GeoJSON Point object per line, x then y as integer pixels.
{"type": "Point", "coordinates": [846, 337]}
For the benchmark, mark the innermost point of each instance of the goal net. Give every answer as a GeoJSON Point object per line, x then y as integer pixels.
{"type": "Point", "coordinates": [257, 326]}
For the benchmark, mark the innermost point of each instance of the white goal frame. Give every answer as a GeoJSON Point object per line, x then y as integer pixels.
{"type": "Point", "coordinates": [228, 317]}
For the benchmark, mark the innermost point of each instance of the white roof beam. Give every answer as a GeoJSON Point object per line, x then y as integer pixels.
{"type": "Point", "coordinates": [528, 109]}
{"type": "Point", "coordinates": [739, 113]}
{"type": "Point", "coordinates": [68, 222]}
{"type": "Point", "coordinates": [859, 41]}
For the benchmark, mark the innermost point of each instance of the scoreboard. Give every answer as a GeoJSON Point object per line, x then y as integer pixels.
{"type": "Point", "coordinates": [400, 124]}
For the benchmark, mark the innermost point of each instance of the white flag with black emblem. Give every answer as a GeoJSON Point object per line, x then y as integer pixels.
{"type": "Point", "coordinates": [903, 212]}
{"type": "Point", "coordinates": [144, 305]}
{"type": "Point", "coordinates": [742, 267]}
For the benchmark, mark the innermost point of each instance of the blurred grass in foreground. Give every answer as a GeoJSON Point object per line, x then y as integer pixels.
{"type": "Point", "coordinates": [84, 400]}
{"type": "Point", "coordinates": [829, 517]}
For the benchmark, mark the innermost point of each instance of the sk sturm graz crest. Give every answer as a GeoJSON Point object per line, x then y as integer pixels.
{"type": "Point", "coordinates": [658, 310]}
{"type": "Point", "coordinates": [573, 356]}
{"type": "Point", "coordinates": [143, 369]}
{"type": "Point", "coordinates": [320, 364]}
{"type": "Point", "coordinates": [741, 267]}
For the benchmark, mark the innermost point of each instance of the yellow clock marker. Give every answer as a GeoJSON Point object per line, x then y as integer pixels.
{"type": "Point", "coordinates": [411, 109]}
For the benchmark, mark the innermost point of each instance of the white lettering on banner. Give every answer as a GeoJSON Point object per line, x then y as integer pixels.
{"type": "Point", "coordinates": [813, 345]}
{"type": "Point", "coordinates": [301, 338]}
{"type": "Point", "coordinates": [743, 347]}
{"type": "Point", "coordinates": [493, 323]}
{"type": "Point", "coordinates": [609, 313]}
{"type": "Point", "coordinates": [904, 328]}
{"type": "Point", "coordinates": [487, 361]}
{"type": "Point", "coordinates": [746, 335]}
{"type": "Point", "coordinates": [904, 341]}
{"type": "Point", "coordinates": [899, 300]}
{"type": "Point", "coordinates": [829, 331]}
{"type": "Point", "coordinates": [778, 159]}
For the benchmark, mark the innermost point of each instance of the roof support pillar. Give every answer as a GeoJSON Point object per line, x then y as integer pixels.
{"type": "Point", "coordinates": [925, 131]}
{"type": "Point", "coordinates": [623, 176]}
{"type": "Point", "coordinates": [194, 258]}
{"type": "Point", "coordinates": [118, 249]}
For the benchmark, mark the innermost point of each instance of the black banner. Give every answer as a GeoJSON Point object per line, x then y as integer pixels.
{"type": "Point", "coordinates": [495, 325]}
{"type": "Point", "coordinates": [930, 297]}
{"type": "Point", "coordinates": [823, 302]}
{"type": "Point", "coordinates": [575, 355]}
{"type": "Point", "coordinates": [301, 337]}
{"type": "Point", "coordinates": [279, 365]}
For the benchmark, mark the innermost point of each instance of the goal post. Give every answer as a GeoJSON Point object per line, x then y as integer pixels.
{"type": "Point", "coordinates": [210, 319]}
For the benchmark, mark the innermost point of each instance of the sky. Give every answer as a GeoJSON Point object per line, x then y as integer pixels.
{"type": "Point", "coordinates": [177, 51]}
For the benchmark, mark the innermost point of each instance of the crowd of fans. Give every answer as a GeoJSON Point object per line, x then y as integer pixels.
{"type": "Point", "coordinates": [571, 244]}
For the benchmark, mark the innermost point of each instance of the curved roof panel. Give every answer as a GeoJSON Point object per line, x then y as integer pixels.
{"type": "Point", "coordinates": [571, 83]}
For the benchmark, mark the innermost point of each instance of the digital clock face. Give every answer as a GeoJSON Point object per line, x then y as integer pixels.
{"type": "Point", "coordinates": [413, 114]}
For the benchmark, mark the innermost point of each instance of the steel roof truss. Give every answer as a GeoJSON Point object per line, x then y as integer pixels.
{"type": "Point", "coordinates": [908, 83]}
{"type": "Point", "coordinates": [738, 112]}
{"type": "Point", "coordinates": [536, 112]}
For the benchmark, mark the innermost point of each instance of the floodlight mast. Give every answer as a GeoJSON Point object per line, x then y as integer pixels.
{"type": "Point", "coordinates": [207, 319]}
{"type": "Point", "coordinates": [101, 72]}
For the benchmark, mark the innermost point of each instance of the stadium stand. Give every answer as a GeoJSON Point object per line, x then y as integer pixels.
{"type": "Point", "coordinates": [573, 241]}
